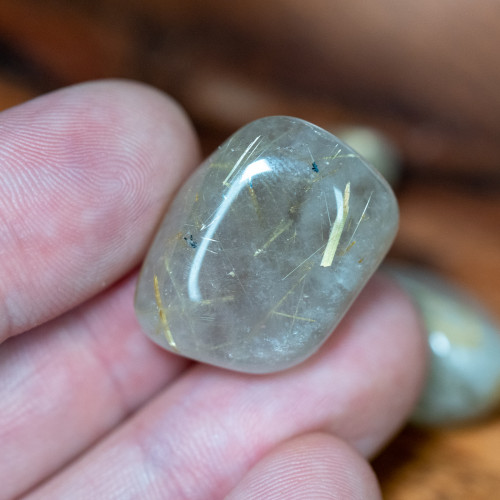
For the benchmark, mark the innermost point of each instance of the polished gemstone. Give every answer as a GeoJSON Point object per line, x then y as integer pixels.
{"type": "Point", "coordinates": [265, 247]}
{"type": "Point", "coordinates": [376, 148]}
{"type": "Point", "coordinates": [463, 381]}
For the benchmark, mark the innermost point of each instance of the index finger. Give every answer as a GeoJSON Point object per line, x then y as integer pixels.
{"type": "Point", "coordinates": [85, 173]}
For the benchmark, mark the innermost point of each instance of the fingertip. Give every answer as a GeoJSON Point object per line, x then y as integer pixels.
{"type": "Point", "coordinates": [87, 171]}
{"type": "Point", "coordinates": [316, 465]}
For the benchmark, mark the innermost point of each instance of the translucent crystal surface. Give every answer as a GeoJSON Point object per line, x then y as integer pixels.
{"type": "Point", "coordinates": [265, 247]}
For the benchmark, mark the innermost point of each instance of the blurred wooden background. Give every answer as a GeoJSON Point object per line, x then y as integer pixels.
{"type": "Point", "coordinates": [425, 73]}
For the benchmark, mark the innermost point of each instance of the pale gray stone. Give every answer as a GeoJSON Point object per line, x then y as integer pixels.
{"type": "Point", "coordinates": [265, 247]}
{"type": "Point", "coordinates": [463, 381]}
{"type": "Point", "coordinates": [376, 148]}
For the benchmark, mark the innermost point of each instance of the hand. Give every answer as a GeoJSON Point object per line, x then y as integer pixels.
{"type": "Point", "coordinates": [90, 407]}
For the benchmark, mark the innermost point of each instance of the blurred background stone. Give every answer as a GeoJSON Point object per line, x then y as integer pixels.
{"type": "Point", "coordinates": [375, 148]}
{"type": "Point", "coordinates": [463, 382]}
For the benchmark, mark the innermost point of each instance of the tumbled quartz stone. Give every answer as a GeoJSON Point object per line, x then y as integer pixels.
{"type": "Point", "coordinates": [265, 247]}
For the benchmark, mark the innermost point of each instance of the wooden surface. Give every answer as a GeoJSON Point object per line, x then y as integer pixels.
{"type": "Point", "coordinates": [427, 75]}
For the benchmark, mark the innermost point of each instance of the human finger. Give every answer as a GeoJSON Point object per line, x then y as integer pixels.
{"type": "Point", "coordinates": [85, 174]}
{"type": "Point", "coordinates": [72, 380]}
{"type": "Point", "coordinates": [315, 465]}
{"type": "Point", "coordinates": [202, 435]}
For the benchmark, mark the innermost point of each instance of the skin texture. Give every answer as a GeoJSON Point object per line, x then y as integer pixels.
{"type": "Point", "coordinates": [315, 465]}
{"type": "Point", "coordinates": [90, 407]}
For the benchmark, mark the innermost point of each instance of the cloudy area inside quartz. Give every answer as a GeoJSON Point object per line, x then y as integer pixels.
{"type": "Point", "coordinates": [265, 247]}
